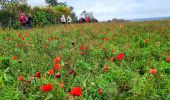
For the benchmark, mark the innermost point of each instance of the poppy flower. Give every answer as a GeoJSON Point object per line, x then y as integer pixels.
{"type": "Point", "coordinates": [38, 75]}
{"type": "Point", "coordinates": [58, 75]}
{"type": "Point", "coordinates": [57, 59]}
{"type": "Point", "coordinates": [77, 91]}
{"type": "Point", "coordinates": [99, 43]}
{"type": "Point", "coordinates": [51, 71]}
{"type": "Point", "coordinates": [146, 40]}
{"type": "Point", "coordinates": [18, 34]}
{"type": "Point", "coordinates": [153, 71]}
{"type": "Point", "coordinates": [112, 51]}
{"type": "Point", "coordinates": [14, 57]}
{"type": "Point", "coordinates": [120, 56]}
{"type": "Point", "coordinates": [106, 68]}
{"type": "Point", "coordinates": [23, 38]}
{"type": "Point", "coordinates": [168, 59]}
{"type": "Point", "coordinates": [105, 39]}
{"type": "Point", "coordinates": [158, 43]}
{"type": "Point", "coordinates": [26, 34]}
{"type": "Point", "coordinates": [46, 87]}
{"type": "Point", "coordinates": [82, 47]}
{"type": "Point", "coordinates": [62, 85]}
{"type": "Point", "coordinates": [57, 67]}
{"type": "Point", "coordinates": [111, 59]}
{"type": "Point", "coordinates": [100, 91]}
{"type": "Point", "coordinates": [20, 78]}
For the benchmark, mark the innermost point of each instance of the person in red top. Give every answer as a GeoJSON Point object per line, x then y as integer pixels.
{"type": "Point", "coordinates": [87, 19]}
{"type": "Point", "coordinates": [22, 19]}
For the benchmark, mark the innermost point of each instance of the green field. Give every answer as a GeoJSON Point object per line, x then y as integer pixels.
{"type": "Point", "coordinates": [87, 57]}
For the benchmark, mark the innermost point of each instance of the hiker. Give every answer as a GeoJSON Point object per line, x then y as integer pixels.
{"type": "Point", "coordinates": [29, 21]}
{"type": "Point", "coordinates": [87, 20]}
{"type": "Point", "coordinates": [22, 19]}
{"type": "Point", "coordinates": [69, 19]}
{"type": "Point", "coordinates": [62, 19]}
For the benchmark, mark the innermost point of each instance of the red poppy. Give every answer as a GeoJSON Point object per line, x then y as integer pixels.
{"type": "Point", "coordinates": [112, 51]}
{"type": "Point", "coordinates": [38, 75]}
{"type": "Point", "coordinates": [62, 85]}
{"type": "Point", "coordinates": [26, 34]}
{"type": "Point", "coordinates": [106, 68]}
{"type": "Point", "coordinates": [51, 71]}
{"type": "Point", "coordinates": [100, 91]}
{"type": "Point", "coordinates": [23, 38]}
{"type": "Point", "coordinates": [82, 47]}
{"type": "Point", "coordinates": [153, 71]}
{"type": "Point", "coordinates": [146, 40]}
{"type": "Point", "coordinates": [77, 91]}
{"type": "Point", "coordinates": [120, 56]}
{"type": "Point", "coordinates": [20, 78]}
{"type": "Point", "coordinates": [57, 59]}
{"type": "Point", "coordinates": [105, 39]}
{"type": "Point", "coordinates": [168, 59]}
{"type": "Point", "coordinates": [46, 87]}
{"type": "Point", "coordinates": [58, 75]}
{"type": "Point", "coordinates": [57, 67]}
{"type": "Point", "coordinates": [111, 59]}
{"type": "Point", "coordinates": [158, 43]}
{"type": "Point", "coordinates": [14, 57]}
{"type": "Point", "coordinates": [18, 34]}
{"type": "Point", "coordinates": [99, 43]}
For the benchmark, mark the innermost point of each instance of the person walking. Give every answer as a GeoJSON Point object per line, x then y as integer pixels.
{"type": "Point", "coordinates": [69, 19]}
{"type": "Point", "coordinates": [22, 19]}
{"type": "Point", "coordinates": [62, 19]}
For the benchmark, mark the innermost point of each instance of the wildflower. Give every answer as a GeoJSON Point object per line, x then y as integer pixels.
{"type": "Point", "coordinates": [112, 51]}
{"type": "Point", "coordinates": [58, 75]}
{"type": "Point", "coordinates": [46, 88]}
{"type": "Point", "coordinates": [38, 75]}
{"type": "Point", "coordinates": [120, 56]}
{"type": "Point", "coordinates": [77, 91]}
{"type": "Point", "coordinates": [165, 53]}
{"type": "Point", "coordinates": [106, 68]}
{"type": "Point", "coordinates": [62, 85]}
{"type": "Point", "coordinates": [100, 91]}
{"type": "Point", "coordinates": [153, 71]}
{"type": "Point", "coordinates": [57, 59]}
{"type": "Point", "coordinates": [82, 47]}
{"type": "Point", "coordinates": [168, 59]}
{"type": "Point", "coordinates": [105, 39]}
{"type": "Point", "coordinates": [23, 38]}
{"type": "Point", "coordinates": [57, 67]}
{"type": "Point", "coordinates": [111, 59]}
{"type": "Point", "coordinates": [51, 71]}
{"type": "Point", "coordinates": [26, 34]}
{"type": "Point", "coordinates": [146, 40]}
{"type": "Point", "coordinates": [14, 57]}
{"type": "Point", "coordinates": [158, 43]}
{"type": "Point", "coordinates": [20, 78]}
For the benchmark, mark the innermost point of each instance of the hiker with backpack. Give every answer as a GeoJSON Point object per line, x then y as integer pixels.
{"type": "Point", "coordinates": [69, 19]}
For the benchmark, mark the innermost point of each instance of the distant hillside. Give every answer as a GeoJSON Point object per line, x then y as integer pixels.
{"type": "Point", "coordinates": [149, 19]}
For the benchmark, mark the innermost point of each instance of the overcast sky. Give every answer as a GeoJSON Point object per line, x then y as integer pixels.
{"type": "Point", "coordinates": [108, 9]}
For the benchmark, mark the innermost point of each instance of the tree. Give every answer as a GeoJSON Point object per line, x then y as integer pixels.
{"type": "Point", "coordinates": [51, 2]}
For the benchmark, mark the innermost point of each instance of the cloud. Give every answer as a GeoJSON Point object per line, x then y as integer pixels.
{"type": "Point", "coordinates": [126, 9]}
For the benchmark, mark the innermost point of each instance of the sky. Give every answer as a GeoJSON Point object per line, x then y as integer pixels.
{"type": "Point", "coordinates": [122, 9]}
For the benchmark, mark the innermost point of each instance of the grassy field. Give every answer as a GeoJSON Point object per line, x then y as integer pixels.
{"type": "Point", "coordinates": [101, 61]}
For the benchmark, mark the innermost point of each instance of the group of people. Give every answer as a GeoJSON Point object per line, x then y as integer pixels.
{"type": "Point", "coordinates": [25, 20]}
{"type": "Point", "coordinates": [83, 20]}
{"type": "Point", "coordinates": [64, 21]}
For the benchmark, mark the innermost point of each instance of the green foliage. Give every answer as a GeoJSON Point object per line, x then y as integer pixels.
{"type": "Point", "coordinates": [51, 2]}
